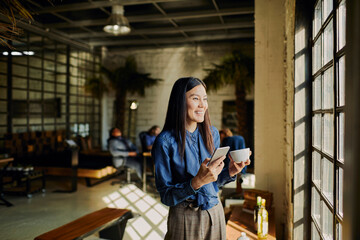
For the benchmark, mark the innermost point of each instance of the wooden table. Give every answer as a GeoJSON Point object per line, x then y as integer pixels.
{"type": "Point", "coordinates": [6, 161]}
{"type": "Point", "coordinates": [241, 221]}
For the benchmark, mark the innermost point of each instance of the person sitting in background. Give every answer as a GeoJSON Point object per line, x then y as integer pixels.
{"type": "Point", "coordinates": [235, 142]}
{"type": "Point", "coordinates": [151, 135]}
{"type": "Point", "coordinates": [124, 152]}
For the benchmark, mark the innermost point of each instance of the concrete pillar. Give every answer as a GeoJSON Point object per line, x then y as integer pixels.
{"type": "Point", "coordinates": [274, 105]}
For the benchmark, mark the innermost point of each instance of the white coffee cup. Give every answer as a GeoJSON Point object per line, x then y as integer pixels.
{"type": "Point", "coordinates": [240, 155]}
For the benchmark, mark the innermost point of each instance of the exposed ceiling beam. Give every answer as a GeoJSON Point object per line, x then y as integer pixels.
{"type": "Point", "coordinates": [58, 15]}
{"type": "Point", "coordinates": [97, 4]}
{"type": "Point", "coordinates": [172, 40]}
{"type": "Point", "coordinates": [217, 10]}
{"type": "Point", "coordinates": [169, 30]}
{"type": "Point", "coordinates": [170, 20]}
{"type": "Point", "coordinates": [145, 18]}
{"type": "Point", "coordinates": [50, 34]}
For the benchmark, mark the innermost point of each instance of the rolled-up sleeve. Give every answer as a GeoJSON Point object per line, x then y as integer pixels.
{"type": "Point", "coordinates": [223, 177]}
{"type": "Point", "coordinates": [171, 193]}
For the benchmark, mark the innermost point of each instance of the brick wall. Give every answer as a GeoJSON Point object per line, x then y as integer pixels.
{"type": "Point", "coordinates": [169, 64]}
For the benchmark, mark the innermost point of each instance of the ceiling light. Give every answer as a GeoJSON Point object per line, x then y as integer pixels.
{"type": "Point", "coordinates": [30, 53]}
{"type": "Point", "coordinates": [134, 105]}
{"type": "Point", "coordinates": [14, 53]}
{"type": "Point", "coordinates": [118, 23]}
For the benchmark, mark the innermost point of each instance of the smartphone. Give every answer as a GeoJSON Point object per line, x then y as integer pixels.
{"type": "Point", "coordinates": [219, 152]}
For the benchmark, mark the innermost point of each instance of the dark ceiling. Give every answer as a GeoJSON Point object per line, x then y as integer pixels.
{"type": "Point", "coordinates": [154, 23]}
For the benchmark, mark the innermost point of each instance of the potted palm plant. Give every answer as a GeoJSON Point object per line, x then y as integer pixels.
{"type": "Point", "coordinates": [237, 69]}
{"type": "Point", "coordinates": [126, 80]}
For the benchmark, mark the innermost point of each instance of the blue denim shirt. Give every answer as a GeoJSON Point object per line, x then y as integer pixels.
{"type": "Point", "coordinates": [149, 139]}
{"type": "Point", "coordinates": [173, 174]}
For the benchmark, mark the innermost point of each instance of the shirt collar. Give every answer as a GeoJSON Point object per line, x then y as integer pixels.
{"type": "Point", "coordinates": [193, 135]}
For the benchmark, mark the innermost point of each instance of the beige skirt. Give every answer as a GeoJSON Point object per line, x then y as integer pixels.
{"type": "Point", "coordinates": [188, 223]}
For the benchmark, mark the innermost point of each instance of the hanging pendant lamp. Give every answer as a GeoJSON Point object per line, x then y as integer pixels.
{"type": "Point", "coordinates": [118, 23]}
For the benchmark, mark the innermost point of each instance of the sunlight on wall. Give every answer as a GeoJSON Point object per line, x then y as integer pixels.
{"type": "Point", "coordinates": [300, 136]}
{"type": "Point", "coordinates": [300, 43]}
{"type": "Point", "coordinates": [151, 224]}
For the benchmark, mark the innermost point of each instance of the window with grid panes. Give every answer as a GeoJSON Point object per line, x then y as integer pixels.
{"type": "Point", "coordinates": [41, 76]}
{"type": "Point", "coordinates": [84, 109]}
{"type": "Point", "coordinates": [328, 118]}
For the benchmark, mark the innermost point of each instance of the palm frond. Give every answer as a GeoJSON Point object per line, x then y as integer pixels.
{"type": "Point", "coordinates": [95, 86]}
{"type": "Point", "coordinates": [140, 81]}
{"type": "Point", "coordinates": [235, 68]}
{"type": "Point", "coordinates": [128, 79]}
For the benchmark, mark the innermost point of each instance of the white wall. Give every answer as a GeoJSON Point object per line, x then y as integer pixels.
{"type": "Point", "coordinates": [169, 64]}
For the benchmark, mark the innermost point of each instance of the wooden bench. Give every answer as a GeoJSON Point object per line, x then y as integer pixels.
{"type": "Point", "coordinates": [109, 222]}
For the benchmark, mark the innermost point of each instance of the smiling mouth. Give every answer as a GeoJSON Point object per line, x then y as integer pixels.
{"type": "Point", "coordinates": [199, 112]}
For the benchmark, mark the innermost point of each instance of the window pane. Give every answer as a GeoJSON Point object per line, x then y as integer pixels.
{"type": "Point", "coordinates": [341, 136]}
{"type": "Point", "coordinates": [315, 205]}
{"type": "Point", "coordinates": [340, 191]}
{"type": "Point", "coordinates": [339, 231]}
{"type": "Point", "coordinates": [341, 87]}
{"type": "Point", "coordinates": [328, 92]}
{"type": "Point", "coordinates": [316, 58]}
{"type": "Point", "coordinates": [328, 89]}
{"type": "Point", "coordinates": [316, 157]}
{"type": "Point", "coordinates": [328, 134]}
{"type": "Point", "coordinates": [314, 233]}
{"type": "Point", "coordinates": [328, 6]}
{"type": "Point", "coordinates": [327, 222]}
{"type": "Point", "coordinates": [328, 43]}
{"type": "Point", "coordinates": [317, 131]}
{"type": "Point", "coordinates": [317, 19]}
{"type": "Point", "coordinates": [317, 93]}
{"type": "Point", "coordinates": [327, 181]}
{"type": "Point", "coordinates": [341, 24]}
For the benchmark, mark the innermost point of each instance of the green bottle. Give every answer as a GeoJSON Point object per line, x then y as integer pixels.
{"type": "Point", "coordinates": [263, 223]}
{"type": "Point", "coordinates": [256, 211]}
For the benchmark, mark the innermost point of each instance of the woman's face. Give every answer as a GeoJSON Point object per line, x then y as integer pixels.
{"type": "Point", "coordinates": [196, 103]}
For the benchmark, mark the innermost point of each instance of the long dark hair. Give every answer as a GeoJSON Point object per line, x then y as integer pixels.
{"type": "Point", "coordinates": [176, 114]}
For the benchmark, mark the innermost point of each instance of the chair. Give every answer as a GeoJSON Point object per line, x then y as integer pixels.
{"type": "Point", "coordinates": [120, 171]}
{"type": "Point", "coordinates": [149, 162]}
{"type": "Point", "coordinates": [125, 169]}
{"type": "Point", "coordinates": [142, 137]}
{"type": "Point", "coordinates": [149, 166]}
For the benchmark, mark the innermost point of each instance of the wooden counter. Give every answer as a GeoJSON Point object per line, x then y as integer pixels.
{"type": "Point", "coordinates": [241, 221]}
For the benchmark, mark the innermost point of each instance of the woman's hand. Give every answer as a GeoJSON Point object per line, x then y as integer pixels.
{"type": "Point", "coordinates": [235, 168]}
{"type": "Point", "coordinates": [208, 173]}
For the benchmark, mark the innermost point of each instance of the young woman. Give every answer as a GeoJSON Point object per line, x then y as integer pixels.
{"type": "Point", "coordinates": [185, 179]}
